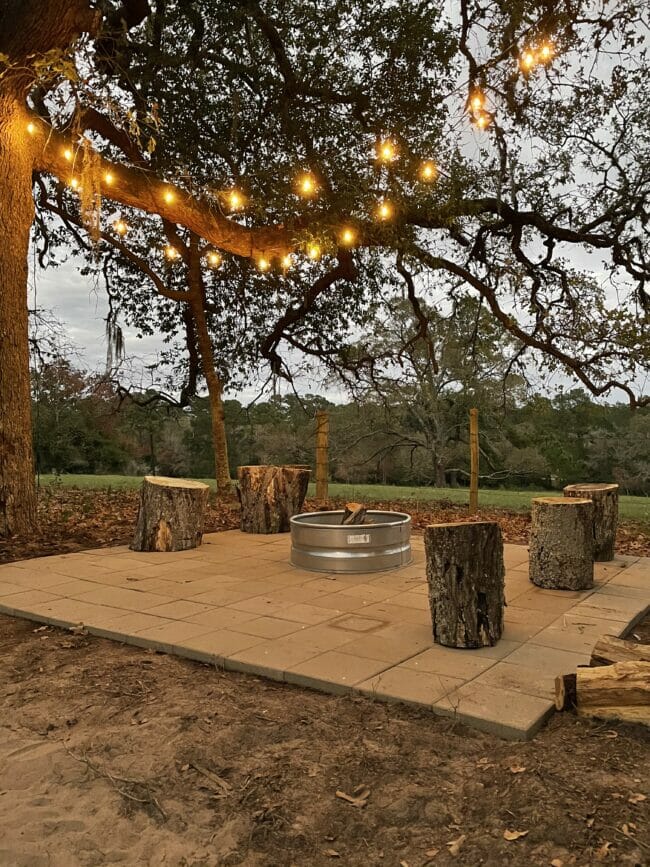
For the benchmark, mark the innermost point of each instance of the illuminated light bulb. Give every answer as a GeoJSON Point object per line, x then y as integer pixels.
{"type": "Point", "coordinates": [263, 264]}
{"type": "Point", "coordinates": [120, 227]}
{"type": "Point", "coordinates": [546, 51]}
{"type": "Point", "coordinates": [108, 178]}
{"type": "Point", "coordinates": [168, 196]}
{"type": "Point", "coordinates": [348, 236]}
{"type": "Point", "coordinates": [67, 153]}
{"type": "Point", "coordinates": [386, 150]}
{"type": "Point", "coordinates": [428, 171]}
{"type": "Point", "coordinates": [307, 185]}
{"type": "Point", "coordinates": [527, 61]}
{"type": "Point", "coordinates": [74, 183]}
{"type": "Point", "coordinates": [287, 261]}
{"type": "Point", "coordinates": [31, 128]}
{"type": "Point", "coordinates": [235, 200]}
{"type": "Point", "coordinates": [171, 252]}
{"type": "Point", "coordinates": [314, 252]}
{"type": "Point", "coordinates": [214, 259]}
{"type": "Point", "coordinates": [477, 100]}
{"type": "Point", "coordinates": [483, 120]}
{"type": "Point", "coordinates": [384, 211]}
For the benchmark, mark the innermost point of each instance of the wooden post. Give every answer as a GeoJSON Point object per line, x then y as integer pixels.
{"type": "Point", "coordinates": [322, 462]}
{"type": "Point", "coordinates": [473, 461]}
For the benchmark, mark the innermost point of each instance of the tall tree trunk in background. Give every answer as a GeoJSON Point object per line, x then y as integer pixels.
{"type": "Point", "coordinates": [212, 379]}
{"type": "Point", "coordinates": [17, 483]}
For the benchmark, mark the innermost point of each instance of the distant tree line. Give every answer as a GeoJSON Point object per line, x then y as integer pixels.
{"type": "Point", "coordinates": [82, 424]}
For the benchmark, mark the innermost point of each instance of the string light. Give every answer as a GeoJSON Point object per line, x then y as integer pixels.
{"type": "Point", "coordinates": [235, 200]}
{"type": "Point", "coordinates": [120, 227]}
{"type": "Point", "coordinates": [314, 252]}
{"type": "Point", "coordinates": [108, 177]}
{"type": "Point", "coordinates": [169, 196]}
{"type": "Point", "coordinates": [171, 252]}
{"type": "Point", "coordinates": [74, 183]}
{"type": "Point", "coordinates": [477, 100]}
{"type": "Point", "coordinates": [546, 51]}
{"type": "Point", "coordinates": [386, 150]}
{"type": "Point", "coordinates": [482, 120]}
{"type": "Point", "coordinates": [214, 259]}
{"type": "Point", "coordinates": [428, 171]}
{"type": "Point", "coordinates": [385, 211]}
{"type": "Point", "coordinates": [67, 153]}
{"type": "Point", "coordinates": [263, 264]}
{"type": "Point", "coordinates": [527, 61]}
{"type": "Point", "coordinates": [287, 261]}
{"type": "Point", "coordinates": [307, 185]}
{"type": "Point", "coordinates": [348, 236]}
{"type": "Point", "coordinates": [31, 128]}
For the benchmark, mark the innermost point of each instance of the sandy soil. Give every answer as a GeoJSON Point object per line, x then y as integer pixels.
{"type": "Point", "coordinates": [113, 755]}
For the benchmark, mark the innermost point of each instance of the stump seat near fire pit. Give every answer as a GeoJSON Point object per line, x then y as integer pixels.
{"type": "Point", "coordinates": [322, 543]}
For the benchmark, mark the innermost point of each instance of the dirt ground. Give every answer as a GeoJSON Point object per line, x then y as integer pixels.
{"type": "Point", "coordinates": [114, 755]}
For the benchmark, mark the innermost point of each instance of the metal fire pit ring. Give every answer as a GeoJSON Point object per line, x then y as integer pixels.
{"type": "Point", "coordinates": [320, 542]}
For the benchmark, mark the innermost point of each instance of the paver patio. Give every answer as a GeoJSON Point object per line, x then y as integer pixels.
{"type": "Point", "coordinates": [237, 603]}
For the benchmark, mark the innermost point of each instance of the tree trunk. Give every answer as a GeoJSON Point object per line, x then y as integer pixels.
{"type": "Point", "coordinates": [465, 574]}
{"type": "Point", "coordinates": [17, 483]}
{"type": "Point", "coordinates": [270, 496]}
{"type": "Point", "coordinates": [605, 520]}
{"type": "Point", "coordinates": [608, 650]}
{"type": "Point", "coordinates": [561, 544]}
{"type": "Point", "coordinates": [617, 692]}
{"type": "Point", "coordinates": [212, 379]}
{"type": "Point", "coordinates": [171, 514]}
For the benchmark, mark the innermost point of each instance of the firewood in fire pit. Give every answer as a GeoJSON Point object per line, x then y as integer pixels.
{"type": "Point", "coordinates": [355, 513]}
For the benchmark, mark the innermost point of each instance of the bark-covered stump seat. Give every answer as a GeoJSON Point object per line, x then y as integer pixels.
{"type": "Point", "coordinates": [270, 496]}
{"type": "Point", "coordinates": [562, 543]}
{"type": "Point", "coordinates": [171, 514]}
{"type": "Point", "coordinates": [605, 517]}
{"type": "Point", "coordinates": [466, 577]}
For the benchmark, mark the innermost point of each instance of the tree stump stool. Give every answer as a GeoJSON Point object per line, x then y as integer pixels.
{"type": "Point", "coordinates": [465, 574]}
{"type": "Point", "coordinates": [605, 520]}
{"type": "Point", "coordinates": [171, 514]}
{"type": "Point", "coordinates": [270, 496]}
{"type": "Point", "coordinates": [562, 543]}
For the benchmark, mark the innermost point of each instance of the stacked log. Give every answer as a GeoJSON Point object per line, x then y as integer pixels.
{"type": "Point", "coordinates": [171, 514]}
{"type": "Point", "coordinates": [605, 515]}
{"type": "Point", "coordinates": [465, 574]}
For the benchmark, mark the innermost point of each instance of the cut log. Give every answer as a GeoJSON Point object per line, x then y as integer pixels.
{"type": "Point", "coordinates": [355, 513]}
{"type": "Point", "coordinates": [609, 650]}
{"type": "Point", "coordinates": [561, 543]}
{"type": "Point", "coordinates": [605, 518]}
{"type": "Point", "coordinates": [270, 496]}
{"type": "Point", "coordinates": [465, 574]}
{"type": "Point", "coordinates": [617, 692]}
{"type": "Point", "coordinates": [171, 514]}
{"type": "Point", "coordinates": [565, 692]}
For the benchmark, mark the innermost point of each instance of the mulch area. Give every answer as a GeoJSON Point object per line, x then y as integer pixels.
{"type": "Point", "coordinates": [71, 520]}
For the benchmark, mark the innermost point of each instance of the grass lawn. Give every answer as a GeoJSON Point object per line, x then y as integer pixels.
{"type": "Point", "coordinates": [631, 508]}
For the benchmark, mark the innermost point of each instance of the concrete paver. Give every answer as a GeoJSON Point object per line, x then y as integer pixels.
{"type": "Point", "coordinates": [236, 602]}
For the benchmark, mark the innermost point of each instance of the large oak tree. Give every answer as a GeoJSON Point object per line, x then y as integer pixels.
{"type": "Point", "coordinates": [535, 114]}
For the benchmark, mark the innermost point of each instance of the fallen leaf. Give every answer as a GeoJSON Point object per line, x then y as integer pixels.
{"type": "Point", "coordinates": [611, 734]}
{"type": "Point", "coordinates": [431, 853]}
{"type": "Point", "coordinates": [454, 846]}
{"type": "Point", "coordinates": [603, 852]}
{"type": "Point", "coordinates": [403, 864]}
{"type": "Point", "coordinates": [358, 798]}
{"type": "Point", "coordinates": [627, 828]}
{"type": "Point", "coordinates": [517, 769]}
{"type": "Point", "coordinates": [636, 798]}
{"type": "Point", "coordinates": [590, 822]}
{"type": "Point", "coordinates": [332, 853]}
{"type": "Point", "coordinates": [513, 835]}
{"type": "Point", "coordinates": [556, 862]}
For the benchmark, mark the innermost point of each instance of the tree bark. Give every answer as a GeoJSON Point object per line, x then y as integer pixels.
{"type": "Point", "coordinates": [561, 543]}
{"type": "Point", "coordinates": [605, 520]}
{"type": "Point", "coordinates": [617, 692]}
{"type": "Point", "coordinates": [565, 692]}
{"type": "Point", "coordinates": [212, 379]}
{"type": "Point", "coordinates": [17, 483]}
{"type": "Point", "coordinates": [270, 496]}
{"type": "Point", "coordinates": [171, 514]}
{"type": "Point", "coordinates": [465, 573]}
{"type": "Point", "coordinates": [608, 650]}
